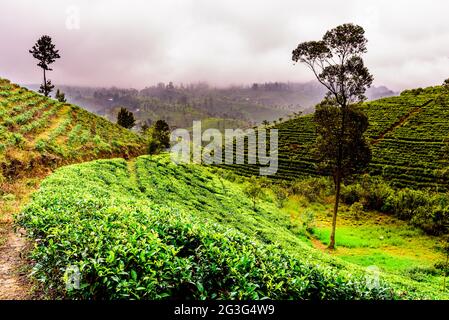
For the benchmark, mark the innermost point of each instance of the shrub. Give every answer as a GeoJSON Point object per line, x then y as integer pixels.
{"type": "Point", "coordinates": [352, 193]}
{"type": "Point", "coordinates": [308, 220]}
{"type": "Point", "coordinates": [313, 189]}
{"type": "Point", "coordinates": [40, 145]}
{"type": "Point", "coordinates": [404, 203]}
{"type": "Point", "coordinates": [281, 195]}
{"type": "Point", "coordinates": [427, 210]}
{"type": "Point", "coordinates": [356, 210]}
{"type": "Point", "coordinates": [127, 245]}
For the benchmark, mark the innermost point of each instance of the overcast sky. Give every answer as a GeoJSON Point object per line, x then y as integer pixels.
{"type": "Point", "coordinates": [139, 43]}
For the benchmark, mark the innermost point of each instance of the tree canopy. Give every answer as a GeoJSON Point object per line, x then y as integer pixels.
{"type": "Point", "coordinates": [126, 118]}
{"type": "Point", "coordinates": [337, 64]}
{"type": "Point", "coordinates": [44, 51]}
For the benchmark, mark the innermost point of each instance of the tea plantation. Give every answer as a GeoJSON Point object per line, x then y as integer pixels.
{"type": "Point", "coordinates": [37, 132]}
{"type": "Point", "coordinates": [150, 229]}
{"type": "Point", "coordinates": [409, 136]}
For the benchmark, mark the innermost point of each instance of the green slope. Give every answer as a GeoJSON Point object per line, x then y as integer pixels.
{"type": "Point", "coordinates": [38, 133]}
{"type": "Point", "coordinates": [409, 135]}
{"type": "Point", "coordinates": [151, 229]}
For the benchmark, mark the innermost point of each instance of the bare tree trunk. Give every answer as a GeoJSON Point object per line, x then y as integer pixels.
{"type": "Point", "coordinates": [445, 269]}
{"type": "Point", "coordinates": [337, 179]}
{"type": "Point", "coordinates": [334, 218]}
{"type": "Point", "coordinates": [45, 85]}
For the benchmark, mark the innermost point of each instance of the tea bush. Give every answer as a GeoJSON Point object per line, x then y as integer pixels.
{"type": "Point", "coordinates": [135, 233]}
{"type": "Point", "coordinates": [34, 128]}
{"type": "Point", "coordinates": [407, 134]}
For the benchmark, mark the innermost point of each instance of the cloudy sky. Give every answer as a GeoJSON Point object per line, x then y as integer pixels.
{"type": "Point", "coordinates": [139, 43]}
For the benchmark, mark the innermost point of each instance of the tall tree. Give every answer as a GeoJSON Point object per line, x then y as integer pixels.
{"type": "Point", "coordinates": [162, 133]}
{"type": "Point", "coordinates": [126, 118]}
{"type": "Point", "coordinates": [337, 64]}
{"type": "Point", "coordinates": [44, 51]}
{"type": "Point", "coordinates": [158, 136]}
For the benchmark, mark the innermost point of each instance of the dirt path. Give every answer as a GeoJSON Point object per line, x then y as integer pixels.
{"type": "Point", "coordinates": [317, 244]}
{"type": "Point", "coordinates": [13, 280]}
{"type": "Point", "coordinates": [14, 268]}
{"type": "Point", "coordinates": [13, 245]}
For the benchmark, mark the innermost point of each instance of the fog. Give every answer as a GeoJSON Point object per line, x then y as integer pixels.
{"type": "Point", "coordinates": [140, 43]}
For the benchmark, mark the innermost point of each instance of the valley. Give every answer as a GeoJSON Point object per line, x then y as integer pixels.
{"type": "Point", "coordinates": [141, 227]}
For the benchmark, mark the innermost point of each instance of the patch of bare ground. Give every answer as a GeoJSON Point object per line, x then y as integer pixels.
{"type": "Point", "coordinates": [14, 282]}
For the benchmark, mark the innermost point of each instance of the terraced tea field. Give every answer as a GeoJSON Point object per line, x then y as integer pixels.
{"type": "Point", "coordinates": [37, 135]}
{"type": "Point", "coordinates": [408, 133]}
{"type": "Point", "coordinates": [151, 229]}
{"type": "Point", "coordinates": [37, 132]}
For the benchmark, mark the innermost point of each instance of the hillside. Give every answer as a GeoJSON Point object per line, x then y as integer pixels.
{"type": "Point", "coordinates": [166, 231]}
{"type": "Point", "coordinates": [38, 133]}
{"type": "Point", "coordinates": [408, 134]}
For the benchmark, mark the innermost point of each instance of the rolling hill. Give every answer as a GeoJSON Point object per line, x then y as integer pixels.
{"type": "Point", "coordinates": [166, 231]}
{"type": "Point", "coordinates": [37, 133]}
{"type": "Point", "coordinates": [408, 133]}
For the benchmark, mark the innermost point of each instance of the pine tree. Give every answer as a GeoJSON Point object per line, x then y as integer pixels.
{"type": "Point", "coordinates": [44, 51]}
{"type": "Point", "coordinates": [162, 133]}
{"type": "Point", "coordinates": [126, 118]}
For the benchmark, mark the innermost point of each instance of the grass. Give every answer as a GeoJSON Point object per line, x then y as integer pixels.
{"type": "Point", "coordinates": [12, 198]}
{"type": "Point", "coordinates": [375, 239]}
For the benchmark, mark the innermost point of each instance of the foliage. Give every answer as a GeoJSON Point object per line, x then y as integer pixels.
{"type": "Point", "coordinates": [152, 241]}
{"type": "Point", "coordinates": [281, 195]}
{"type": "Point", "coordinates": [158, 137]}
{"type": "Point", "coordinates": [341, 154]}
{"type": "Point", "coordinates": [60, 96]}
{"type": "Point", "coordinates": [313, 189]}
{"type": "Point", "coordinates": [253, 190]}
{"type": "Point", "coordinates": [356, 210]}
{"type": "Point", "coordinates": [45, 52]}
{"type": "Point", "coordinates": [37, 132]}
{"type": "Point", "coordinates": [308, 220]}
{"type": "Point", "coordinates": [337, 64]}
{"type": "Point", "coordinates": [126, 118]}
{"type": "Point", "coordinates": [162, 133]}
{"type": "Point", "coordinates": [426, 209]}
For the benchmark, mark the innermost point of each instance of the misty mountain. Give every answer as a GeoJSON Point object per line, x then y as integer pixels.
{"type": "Point", "coordinates": [180, 104]}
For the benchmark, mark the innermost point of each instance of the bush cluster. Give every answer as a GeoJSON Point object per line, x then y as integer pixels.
{"type": "Point", "coordinates": [425, 209]}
